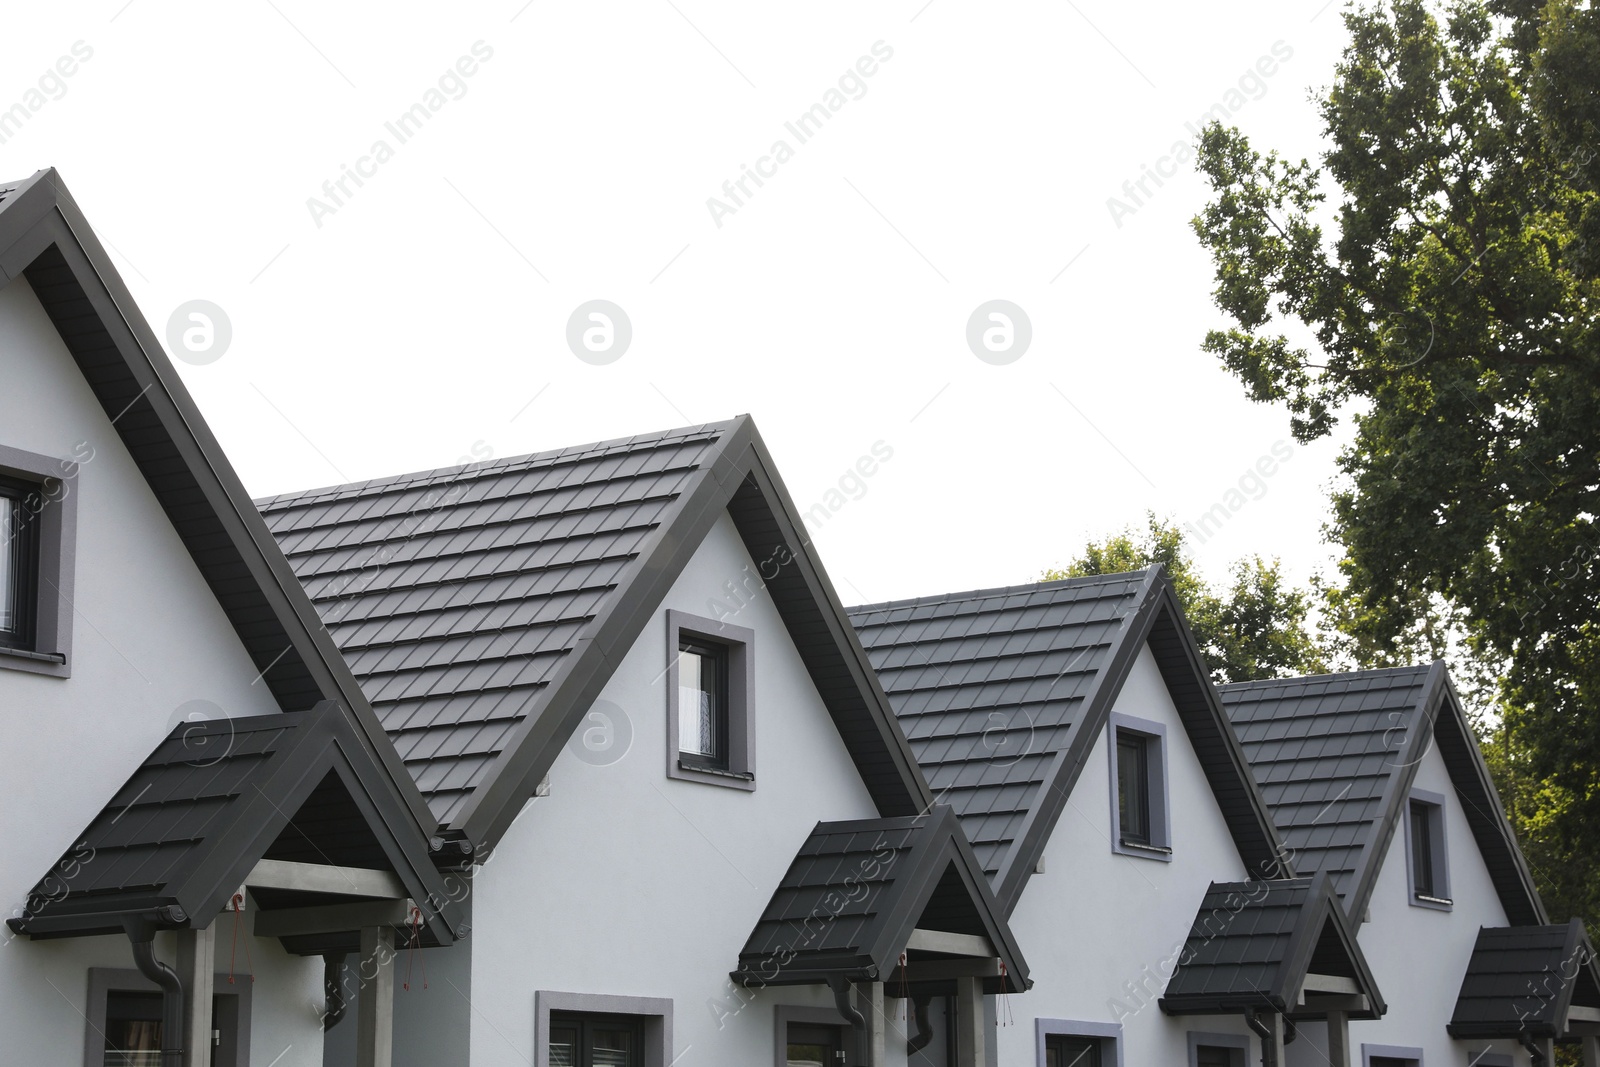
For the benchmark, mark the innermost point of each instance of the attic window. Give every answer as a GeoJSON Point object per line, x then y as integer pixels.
{"type": "Point", "coordinates": [19, 562]}
{"type": "Point", "coordinates": [1427, 861]}
{"type": "Point", "coordinates": [38, 506]}
{"type": "Point", "coordinates": [710, 721]}
{"type": "Point", "coordinates": [1140, 822]}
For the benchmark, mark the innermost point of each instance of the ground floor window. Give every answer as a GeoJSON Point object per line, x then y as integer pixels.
{"type": "Point", "coordinates": [125, 1029]}
{"type": "Point", "coordinates": [1218, 1050]}
{"type": "Point", "coordinates": [600, 1030]}
{"type": "Point", "coordinates": [811, 1045]}
{"type": "Point", "coordinates": [578, 1040]}
{"type": "Point", "coordinates": [1076, 1043]}
{"type": "Point", "coordinates": [1061, 1051]}
{"type": "Point", "coordinates": [1390, 1056]}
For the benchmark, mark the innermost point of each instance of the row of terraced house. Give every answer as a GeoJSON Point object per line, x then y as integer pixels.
{"type": "Point", "coordinates": [483, 766]}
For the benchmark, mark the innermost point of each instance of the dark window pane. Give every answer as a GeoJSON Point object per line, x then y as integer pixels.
{"type": "Point", "coordinates": [1213, 1056]}
{"type": "Point", "coordinates": [1422, 849]}
{"type": "Point", "coordinates": [1133, 789]}
{"type": "Point", "coordinates": [133, 1030]}
{"type": "Point", "coordinates": [563, 1047]}
{"type": "Point", "coordinates": [702, 703]}
{"type": "Point", "coordinates": [1392, 1061]}
{"type": "Point", "coordinates": [613, 1048]}
{"type": "Point", "coordinates": [812, 1046]}
{"type": "Point", "coordinates": [18, 564]}
{"type": "Point", "coordinates": [1072, 1052]}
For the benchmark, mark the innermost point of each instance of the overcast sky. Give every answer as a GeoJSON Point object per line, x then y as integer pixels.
{"type": "Point", "coordinates": [559, 153]}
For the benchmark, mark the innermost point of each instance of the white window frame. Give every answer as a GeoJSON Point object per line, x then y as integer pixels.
{"type": "Point", "coordinates": [1108, 1034]}
{"type": "Point", "coordinates": [1439, 853]}
{"type": "Point", "coordinates": [739, 643]}
{"type": "Point", "coordinates": [1155, 738]}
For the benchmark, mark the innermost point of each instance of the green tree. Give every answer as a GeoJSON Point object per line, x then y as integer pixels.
{"type": "Point", "coordinates": [1445, 300]}
{"type": "Point", "coordinates": [1256, 628]}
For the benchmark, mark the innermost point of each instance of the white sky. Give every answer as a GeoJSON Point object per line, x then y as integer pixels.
{"type": "Point", "coordinates": [426, 317]}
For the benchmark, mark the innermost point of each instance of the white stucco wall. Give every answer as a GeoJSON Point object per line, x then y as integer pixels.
{"type": "Point", "coordinates": [1097, 926]}
{"type": "Point", "coordinates": [148, 638]}
{"type": "Point", "coordinates": [624, 882]}
{"type": "Point", "coordinates": [1418, 955]}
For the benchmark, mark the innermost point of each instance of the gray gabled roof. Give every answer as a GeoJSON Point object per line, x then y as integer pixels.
{"type": "Point", "coordinates": [1253, 944]}
{"type": "Point", "coordinates": [484, 607]}
{"type": "Point", "coordinates": [45, 239]}
{"type": "Point", "coordinates": [1335, 756]}
{"type": "Point", "coordinates": [1002, 693]}
{"type": "Point", "coordinates": [181, 835]}
{"type": "Point", "coordinates": [855, 892]}
{"type": "Point", "coordinates": [1524, 979]}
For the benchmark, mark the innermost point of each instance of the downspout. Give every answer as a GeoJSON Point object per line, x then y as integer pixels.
{"type": "Point", "coordinates": [1532, 1046]}
{"type": "Point", "coordinates": [841, 1000]}
{"type": "Point", "coordinates": [924, 1034]}
{"type": "Point", "coordinates": [333, 989]}
{"type": "Point", "coordinates": [1264, 1032]}
{"type": "Point", "coordinates": [142, 935]}
{"type": "Point", "coordinates": [1290, 1031]}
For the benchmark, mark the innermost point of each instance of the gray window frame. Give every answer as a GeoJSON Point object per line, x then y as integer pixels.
{"type": "Point", "coordinates": [1439, 853]}
{"type": "Point", "coordinates": [739, 642]}
{"type": "Point", "coordinates": [1158, 767]}
{"type": "Point", "coordinates": [784, 1014]}
{"type": "Point", "coordinates": [103, 980]}
{"type": "Point", "coordinates": [1239, 1044]}
{"type": "Point", "coordinates": [1108, 1034]}
{"type": "Point", "coordinates": [1402, 1052]}
{"type": "Point", "coordinates": [654, 1012]}
{"type": "Point", "coordinates": [51, 653]}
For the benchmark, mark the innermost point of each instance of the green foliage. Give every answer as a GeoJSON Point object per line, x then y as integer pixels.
{"type": "Point", "coordinates": [1255, 628]}
{"type": "Point", "coordinates": [1450, 312]}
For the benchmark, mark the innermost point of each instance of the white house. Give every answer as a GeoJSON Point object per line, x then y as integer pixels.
{"type": "Point", "coordinates": [1071, 726]}
{"type": "Point", "coordinates": [179, 730]}
{"type": "Point", "coordinates": [577, 759]}
{"type": "Point", "coordinates": [1375, 779]}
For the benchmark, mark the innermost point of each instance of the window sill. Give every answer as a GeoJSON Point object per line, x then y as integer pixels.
{"type": "Point", "coordinates": [688, 771]}
{"type": "Point", "coordinates": [53, 664]}
{"type": "Point", "coordinates": [1423, 900]}
{"type": "Point", "coordinates": [1148, 852]}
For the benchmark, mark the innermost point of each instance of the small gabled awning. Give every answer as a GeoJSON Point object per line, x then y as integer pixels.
{"type": "Point", "coordinates": [862, 895]}
{"type": "Point", "coordinates": [290, 805]}
{"type": "Point", "coordinates": [1280, 946]}
{"type": "Point", "coordinates": [1539, 981]}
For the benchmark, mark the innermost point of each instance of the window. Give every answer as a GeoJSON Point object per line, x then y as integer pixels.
{"type": "Point", "coordinates": [1427, 862]}
{"type": "Point", "coordinates": [19, 561]}
{"type": "Point", "coordinates": [1072, 1043]}
{"type": "Point", "coordinates": [1060, 1051]}
{"type": "Point", "coordinates": [124, 1021]}
{"type": "Point", "coordinates": [1140, 821]}
{"type": "Point", "coordinates": [1390, 1056]}
{"type": "Point", "coordinates": [711, 725]}
{"type": "Point", "coordinates": [1133, 788]}
{"type": "Point", "coordinates": [1218, 1050]}
{"type": "Point", "coordinates": [812, 1045]}
{"type": "Point", "coordinates": [38, 505]}
{"type": "Point", "coordinates": [597, 1030]}
{"type": "Point", "coordinates": [595, 1041]}
{"type": "Point", "coordinates": [703, 705]}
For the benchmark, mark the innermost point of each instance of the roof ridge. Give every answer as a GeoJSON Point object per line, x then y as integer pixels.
{"type": "Point", "coordinates": [1307, 679]}
{"type": "Point", "coordinates": [1075, 582]}
{"type": "Point", "coordinates": [482, 468]}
